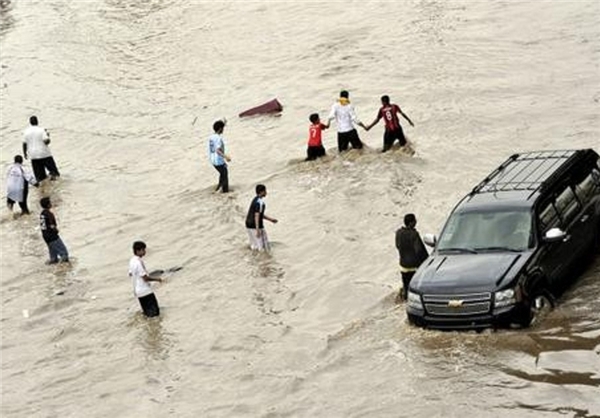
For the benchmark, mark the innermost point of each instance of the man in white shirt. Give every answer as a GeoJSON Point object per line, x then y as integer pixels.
{"type": "Point", "coordinates": [141, 281]}
{"type": "Point", "coordinates": [345, 117]}
{"type": "Point", "coordinates": [35, 146]}
{"type": "Point", "coordinates": [17, 185]}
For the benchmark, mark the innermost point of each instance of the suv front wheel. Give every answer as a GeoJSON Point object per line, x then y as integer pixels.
{"type": "Point", "coordinates": [538, 306]}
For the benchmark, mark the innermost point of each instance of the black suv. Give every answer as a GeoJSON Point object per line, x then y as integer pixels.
{"type": "Point", "coordinates": [512, 244]}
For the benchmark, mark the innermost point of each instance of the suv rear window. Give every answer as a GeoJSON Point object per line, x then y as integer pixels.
{"type": "Point", "coordinates": [567, 205]}
{"type": "Point", "coordinates": [588, 187]}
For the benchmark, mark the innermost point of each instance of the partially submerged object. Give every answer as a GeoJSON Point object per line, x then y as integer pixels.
{"type": "Point", "coordinates": [272, 106]}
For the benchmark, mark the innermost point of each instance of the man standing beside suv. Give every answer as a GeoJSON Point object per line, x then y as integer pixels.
{"type": "Point", "coordinates": [411, 250]}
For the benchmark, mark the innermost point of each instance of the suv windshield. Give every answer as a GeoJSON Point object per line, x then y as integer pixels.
{"type": "Point", "coordinates": [487, 231]}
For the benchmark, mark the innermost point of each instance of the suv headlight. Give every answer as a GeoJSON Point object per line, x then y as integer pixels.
{"type": "Point", "coordinates": [504, 298]}
{"type": "Point", "coordinates": [414, 301]}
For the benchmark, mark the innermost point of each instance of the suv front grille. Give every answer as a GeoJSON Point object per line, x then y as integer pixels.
{"type": "Point", "coordinates": [453, 305]}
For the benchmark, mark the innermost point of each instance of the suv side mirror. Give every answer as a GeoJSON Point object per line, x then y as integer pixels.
{"type": "Point", "coordinates": [554, 235]}
{"type": "Point", "coordinates": [430, 239]}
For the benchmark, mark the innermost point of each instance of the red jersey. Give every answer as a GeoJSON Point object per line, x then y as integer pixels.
{"type": "Point", "coordinates": [314, 135]}
{"type": "Point", "coordinates": [390, 117]}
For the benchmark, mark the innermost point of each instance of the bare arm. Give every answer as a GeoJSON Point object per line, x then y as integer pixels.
{"type": "Point", "coordinates": [257, 223]}
{"type": "Point", "coordinates": [375, 122]}
{"type": "Point", "coordinates": [222, 154]}
{"type": "Point", "coordinates": [407, 118]}
{"type": "Point", "coordinates": [152, 279]}
{"type": "Point", "coordinates": [270, 219]}
{"type": "Point", "coordinates": [25, 150]}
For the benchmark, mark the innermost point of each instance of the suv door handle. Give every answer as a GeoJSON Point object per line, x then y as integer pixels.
{"type": "Point", "coordinates": [585, 217]}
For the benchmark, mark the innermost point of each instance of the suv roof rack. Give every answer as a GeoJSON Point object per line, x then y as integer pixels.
{"type": "Point", "coordinates": [526, 171]}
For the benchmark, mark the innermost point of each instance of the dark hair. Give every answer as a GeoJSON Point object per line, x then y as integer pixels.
{"type": "Point", "coordinates": [18, 159]}
{"type": "Point", "coordinates": [344, 93]}
{"type": "Point", "coordinates": [409, 219]}
{"type": "Point", "coordinates": [45, 202]}
{"type": "Point", "coordinates": [33, 120]}
{"type": "Point", "coordinates": [260, 188]}
{"type": "Point", "coordinates": [385, 99]}
{"type": "Point", "coordinates": [314, 118]}
{"type": "Point", "coordinates": [138, 246]}
{"type": "Point", "coordinates": [218, 126]}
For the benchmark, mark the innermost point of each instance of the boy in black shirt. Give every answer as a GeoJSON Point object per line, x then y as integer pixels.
{"type": "Point", "coordinates": [254, 221]}
{"type": "Point", "coordinates": [49, 228]}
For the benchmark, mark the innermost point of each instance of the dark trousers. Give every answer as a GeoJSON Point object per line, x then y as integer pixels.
{"type": "Point", "coordinates": [40, 166]}
{"type": "Point", "coordinates": [406, 278]}
{"type": "Point", "coordinates": [149, 305]}
{"type": "Point", "coordinates": [389, 137]}
{"type": "Point", "coordinates": [223, 178]}
{"type": "Point", "coordinates": [350, 137]}
{"type": "Point", "coordinates": [312, 153]}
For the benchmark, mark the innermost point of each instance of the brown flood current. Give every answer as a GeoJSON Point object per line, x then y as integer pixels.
{"type": "Point", "coordinates": [129, 91]}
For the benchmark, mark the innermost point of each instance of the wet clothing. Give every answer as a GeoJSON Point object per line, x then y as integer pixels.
{"type": "Point", "coordinates": [345, 118]}
{"type": "Point", "coordinates": [141, 288]}
{"type": "Point", "coordinates": [56, 248]}
{"type": "Point", "coordinates": [393, 129]}
{"type": "Point", "coordinates": [41, 165]}
{"type": "Point", "coordinates": [315, 147]}
{"type": "Point", "coordinates": [411, 249]}
{"type": "Point", "coordinates": [17, 186]}
{"type": "Point", "coordinates": [48, 226]}
{"type": "Point", "coordinates": [223, 177]}
{"type": "Point", "coordinates": [389, 137]}
{"type": "Point", "coordinates": [315, 133]}
{"type": "Point", "coordinates": [344, 115]}
{"type": "Point", "coordinates": [39, 153]}
{"type": "Point", "coordinates": [256, 206]}
{"type": "Point", "coordinates": [258, 243]}
{"type": "Point", "coordinates": [412, 253]}
{"type": "Point", "coordinates": [390, 117]}
{"type": "Point", "coordinates": [149, 305]}
{"type": "Point", "coordinates": [215, 142]}
{"type": "Point", "coordinates": [137, 271]}
{"type": "Point", "coordinates": [35, 137]}
{"type": "Point", "coordinates": [346, 138]}
{"type": "Point", "coordinates": [312, 153]}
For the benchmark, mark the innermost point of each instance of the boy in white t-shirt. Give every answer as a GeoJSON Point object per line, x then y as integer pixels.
{"type": "Point", "coordinates": [141, 281]}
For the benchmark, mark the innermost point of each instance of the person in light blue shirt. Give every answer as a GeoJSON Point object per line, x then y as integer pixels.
{"type": "Point", "coordinates": [218, 157]}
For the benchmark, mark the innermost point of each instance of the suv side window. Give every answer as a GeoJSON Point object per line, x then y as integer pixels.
{"type": "Point", "coordinates": [567, 205]}
{"type": "Point", "coordinates": [588, 187]}
{"type": "Point", "coordinates": [548, 218]}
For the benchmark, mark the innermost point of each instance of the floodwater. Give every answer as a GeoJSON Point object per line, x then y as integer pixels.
{"type": "Point", "coordinates": [129, 91]}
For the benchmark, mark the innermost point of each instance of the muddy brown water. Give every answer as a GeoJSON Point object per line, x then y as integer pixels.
{"type": "Point", "coordinates": [129, 91]}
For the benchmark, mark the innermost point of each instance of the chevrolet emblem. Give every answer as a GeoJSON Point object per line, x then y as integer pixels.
{"type": "Point", "coordinates": [455, 303]}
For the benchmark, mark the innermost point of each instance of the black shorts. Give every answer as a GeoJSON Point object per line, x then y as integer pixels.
{"type": "Point", "coordinates": [149, 305]}
{"type": "Point", "coordinates": [40, 165]}
{"type": "Point", "coordinates": [389, 137]}
{"type": "Point", "coordinates": [312, 153]}
{"type": "Point", "coordinates": [350, 137]}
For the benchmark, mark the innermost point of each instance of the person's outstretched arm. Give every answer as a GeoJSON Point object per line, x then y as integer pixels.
{"type": "Point", "coordinates": [270, 219]}
{"type": "Point", "coordinates": [406, 117]}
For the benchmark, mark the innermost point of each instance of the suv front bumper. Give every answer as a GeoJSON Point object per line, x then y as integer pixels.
{"type": "Point", "coordinates": [501, 318]}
